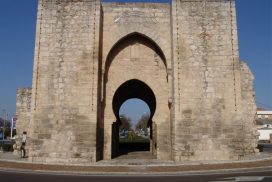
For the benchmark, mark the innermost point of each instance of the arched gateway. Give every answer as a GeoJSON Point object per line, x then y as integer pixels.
{"type": "Point", "coordinates": [180, 58]}
{"type": "Point", "coordinates": [133, 89]}
{"type": "Point", "coordinates": [136, 68]}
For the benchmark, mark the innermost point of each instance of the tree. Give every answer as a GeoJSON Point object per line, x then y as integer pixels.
{"type": "Point", "coordinates": [1, 122]}
{"type": "Point", "coordinates": [143, 122]}
{"type": "Point", "coordinates": [4, 126]}
{"type": "Point", "coordinates": [125, 123]}
{"type": "Point", "coordinates": [7, 123]}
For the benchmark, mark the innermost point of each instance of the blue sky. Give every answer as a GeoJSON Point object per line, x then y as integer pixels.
{"type": "Point", "coordinates": [17, 35]}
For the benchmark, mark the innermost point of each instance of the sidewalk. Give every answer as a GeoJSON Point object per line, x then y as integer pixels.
{"type": "Point", "coordinates": [9, 156]}
{"type": "Point", "coordinates": [135, 166]}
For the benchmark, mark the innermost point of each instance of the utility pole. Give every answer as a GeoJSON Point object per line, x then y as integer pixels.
{"type": "Point", "coordinates": [3, 130]}
{"type": "Point", "coordinates": [11, 128]}
{"type": "Point", "coordinates": [4, 127]}
{"type": "Point", "coordinates": [12, 125]}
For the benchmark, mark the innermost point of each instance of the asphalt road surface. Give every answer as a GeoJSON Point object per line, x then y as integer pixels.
{"type": "Point", "coordinates": [13, 176]}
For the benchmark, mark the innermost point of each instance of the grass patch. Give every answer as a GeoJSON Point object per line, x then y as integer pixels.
{"type": "Point", "coordinates": [138, 139]}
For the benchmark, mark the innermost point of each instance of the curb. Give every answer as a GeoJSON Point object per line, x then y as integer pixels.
{"type": "Point", "coordinates": [162, 164]}
{"type": "Point", "coordinates": [138, 174]}
{"type": "Point", "coordinates": [172, 169]}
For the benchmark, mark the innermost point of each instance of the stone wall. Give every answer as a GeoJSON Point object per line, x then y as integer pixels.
{"type": "Point", "coordinates": [64, 99]}
{"type": "Point", "coordinates": [23, 110]}
{"type": "Point", "coordinates": [136, 45]}
{"type": "Point", "coordinates": [250, 133]}
{"type": "Point", "coordinates": [209, 110]}
{"type": "Point", "coordinates": [186, 54]}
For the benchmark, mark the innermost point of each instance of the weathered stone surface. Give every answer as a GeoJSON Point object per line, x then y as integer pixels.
{"type": "Point", "coordinates": [182, 59]}
{"type": "Point", "coordinates": [209, 113]}
{"type": "Point", "coordinates": [132, 50]}
{"type": "Point", "coordinates": [64, 101]}
{"type": "Point", "coordinates": [23, 110]}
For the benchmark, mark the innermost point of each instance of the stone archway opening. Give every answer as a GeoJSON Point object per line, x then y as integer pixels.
{"type": "Point", "coordinates": [135, 67]}
{"type": "Point", "coordinates": [129, 90]}
{"type": "Point", "coordinates": [134, 128]}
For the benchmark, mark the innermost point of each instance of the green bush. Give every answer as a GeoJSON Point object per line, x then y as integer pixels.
{"type": "Point", "coordinates": [260, 147]}
{"type": "Point", "coordinates": [132, 136]}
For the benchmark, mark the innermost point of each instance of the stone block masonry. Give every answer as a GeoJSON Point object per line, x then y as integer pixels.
{"type": "Point", "coordinates": [181, 58]}
{"type": "Point", "coordinates": [23, 110]}
{"type": "Point", "coordinates": [209, 112]}
{"type": "Point", "coordinates": [64, 102]}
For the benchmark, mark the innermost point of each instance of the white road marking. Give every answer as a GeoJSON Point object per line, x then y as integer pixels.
{"type": "Point", "coordinates": [242, 178]}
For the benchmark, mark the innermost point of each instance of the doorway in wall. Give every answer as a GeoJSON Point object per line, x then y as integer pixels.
{"type": "Point", "coordinates": [134, 105]}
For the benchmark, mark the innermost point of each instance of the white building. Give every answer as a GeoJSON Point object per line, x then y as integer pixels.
{"type": "Point", "coordinates": [264, 124]}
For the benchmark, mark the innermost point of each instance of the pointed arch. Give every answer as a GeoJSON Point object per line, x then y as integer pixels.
{"type": "Point", "coordinates": [130, 39]}
{"type": "Point", "coordinates": [134, 89]}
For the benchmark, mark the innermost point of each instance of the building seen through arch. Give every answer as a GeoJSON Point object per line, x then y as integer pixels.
{"type": "Point", "coordinates": [180, 58]}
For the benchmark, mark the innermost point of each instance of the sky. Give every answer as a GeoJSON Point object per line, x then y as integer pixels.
{"type": "Point", "coordinates": [17, 36]}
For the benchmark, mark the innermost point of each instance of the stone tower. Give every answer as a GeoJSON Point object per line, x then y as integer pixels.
{"type": "Point", "coordinates": [181, 58]}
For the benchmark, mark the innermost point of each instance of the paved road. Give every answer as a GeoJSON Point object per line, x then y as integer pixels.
{"type": "Point", "coordinates": [266, 147]}
{"type": "Point", "coordinates": [10, 176]}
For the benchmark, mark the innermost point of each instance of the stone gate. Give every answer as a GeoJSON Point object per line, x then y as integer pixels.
{"type": "Point", "coordinates": [181, 58]}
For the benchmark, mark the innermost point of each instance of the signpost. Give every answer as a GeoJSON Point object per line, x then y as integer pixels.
{"type": "Point", "coordinates": [13, 125]}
